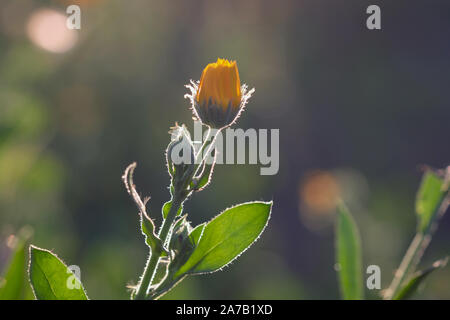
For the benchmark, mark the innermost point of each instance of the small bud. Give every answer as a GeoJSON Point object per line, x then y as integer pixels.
{"type": "Point", "coordinates": [180, 153]}
{"type": "Point", "coordinates": [180, 241]}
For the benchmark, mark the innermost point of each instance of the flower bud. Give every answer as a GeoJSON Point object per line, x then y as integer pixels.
{"type": "Point", "coordinates": [218, 98]}
{"type": "Point", "coordinates": [180, 235]}
{"type": "Point", "coordinates": [180, 153]}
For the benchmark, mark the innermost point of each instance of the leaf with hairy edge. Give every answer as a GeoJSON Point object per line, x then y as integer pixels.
{"type": "Point", "coordinates": [147, 225]}
{"type": "Point", "coordinates": [197, 233]}
{"type": "Point", "coordinates": [51, 279]}
{"type": "Point", "coordinates": [226, 236]}
{"type": "Point", "coordinates": [166, 208]}
{"type": "Point", "coordinates": [349, 257]}
{"type": "Point", "coordinates": [151, 239]}
{"type": "Point", "coordinates": [429, 198]}
{"type": "Point", "coordinates": [417, 279]}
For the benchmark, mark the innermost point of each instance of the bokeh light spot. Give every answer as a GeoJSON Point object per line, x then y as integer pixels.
{"type": "Point", "coordinates": [47, 29]}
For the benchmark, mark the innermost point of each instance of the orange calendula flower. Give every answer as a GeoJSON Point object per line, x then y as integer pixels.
{"type": "Point", "coordinates": [220, 83]}
{"type": "Point", "coordinates": [218, 99]}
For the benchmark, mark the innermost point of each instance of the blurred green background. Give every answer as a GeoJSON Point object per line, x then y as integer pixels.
{"type": "Point", "coordinates": [358, 111]}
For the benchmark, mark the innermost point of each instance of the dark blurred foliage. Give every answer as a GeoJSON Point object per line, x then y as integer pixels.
{"type": "Point", "coordinates": [358, 111]}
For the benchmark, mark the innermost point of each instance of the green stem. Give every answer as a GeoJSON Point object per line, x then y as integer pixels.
{"type": "Point", "coordinates": [415, 252]}
{"type": "Point", "coordinates": [147, 276]}
{"type": "Point", "coordinates": [152, 262]}
{"type": "Point", "coordinates": [408, 264]}
{"type": "Point", "coordinates": [200, 153]}
{"type": "Point", "coordinates": [167, 223]}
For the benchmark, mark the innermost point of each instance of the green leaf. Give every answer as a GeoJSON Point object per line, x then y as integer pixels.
{"type": "Point", "coordinates": [197, 233]}
{"type": "Point", "coordinates": [349, 257]}
{"type": "Point", "coordinates": [227, 236]}
{"type": "Point", "coordinates": [148, 229]}
{"type": "Point", "coordinates": [13, 285]}
{"type": "Point", "coordinates": [417, 279]}
{"type": "Point", "coordinates": [147, 225]}
{"type": "Point", "coordinates": [429, 198]}
{"type": "Point", "coordinates": [51, 279]}
{"type": "Point", "coordinates": [166, 208]}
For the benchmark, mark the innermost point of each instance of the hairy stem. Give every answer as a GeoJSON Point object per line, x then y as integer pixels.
{"type": "Point", "coordinates": [202, 148]}
{"type": "Point", "coordinates": [204, 156]}
{"type": "Point", "coordinates": [177, 200]}
{"type": "Point", "coordinates": [152, 263]}
{"type": "Point", "coordinates": [147, 276]}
